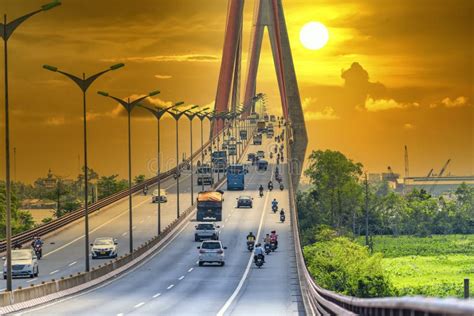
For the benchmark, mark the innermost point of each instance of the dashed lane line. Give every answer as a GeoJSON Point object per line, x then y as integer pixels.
{"type": "Point", "coordinates": [170, 287]}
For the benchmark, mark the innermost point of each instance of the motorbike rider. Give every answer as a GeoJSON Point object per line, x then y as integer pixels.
{"type": "Point", "coordinates": [274, 203]}
{"type": "Point", "coordinates": [274, 238]}
{"type": "Point", "coordinates": [145, 189]}
{"type": "Point", "coordinates": [258, 252]}
{"type": "Point", "coordinates": [260, 189]}
{"type": "Point", "coordinates": [37, 242]}
{"type": "Point", "coordinates": [267, 240]}
{"type": "Point", "coordinates": [282, 212]}
{"type": "Point", "coordinates": [270, 184]}
{"type": "Point", "coordinates": [250, 238]}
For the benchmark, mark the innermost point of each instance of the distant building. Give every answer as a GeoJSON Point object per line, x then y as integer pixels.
{"type": "Point", "coordinates": [437, 186]}
{"type": "Point", "coordinates": [374, 178]}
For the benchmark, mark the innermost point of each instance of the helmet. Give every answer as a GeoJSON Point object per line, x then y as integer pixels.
{"type": "Point", "coordinates": [273, 232]}
{"type": "Point", "coordinates": [259, 244]}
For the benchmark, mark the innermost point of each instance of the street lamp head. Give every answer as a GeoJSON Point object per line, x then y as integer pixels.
{"type": "Point", "coordinates": [50, 68]}
{"type": "Point", "coordinates": [178, 103]}
{"type": "Point", "coordinates": [117, 66]}
{"type": "Point", "coordinates": [153, 93]}
{"type": "Point", "coordinates": [50, 5]}
{"type": "Point", "coordinates": [103, 93]}
{"type": "Point", "coordinates": [193, 107]}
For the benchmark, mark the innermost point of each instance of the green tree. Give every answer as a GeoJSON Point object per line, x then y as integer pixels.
{"type": "Point", "coordinates": [139, 179]}
{"type": "Point", "coordinates": [110, 185]}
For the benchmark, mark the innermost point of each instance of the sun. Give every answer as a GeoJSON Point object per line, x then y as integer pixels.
{"type": "Point", "coordinates": [314, 35]}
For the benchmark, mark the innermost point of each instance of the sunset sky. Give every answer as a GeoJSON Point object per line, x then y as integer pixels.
{"type": "Point", "coordinates": [393, 73]}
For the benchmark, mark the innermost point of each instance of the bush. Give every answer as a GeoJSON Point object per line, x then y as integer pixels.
{"type": "Point", "coordinates": [344, 266]}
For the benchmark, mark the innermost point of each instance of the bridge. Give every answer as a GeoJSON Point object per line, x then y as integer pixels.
{"type": "Point", "coordinates": [162, 275]}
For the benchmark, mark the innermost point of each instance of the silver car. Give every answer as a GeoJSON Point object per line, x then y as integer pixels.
{"type": "Point", "coordinates": [211, 251]}
{"type": "Point", "coordinates": [206, 231]}
{"type": "Point", "coordinates": [24, 263]}
{"type": "Point", "coordinates": [104, 247]}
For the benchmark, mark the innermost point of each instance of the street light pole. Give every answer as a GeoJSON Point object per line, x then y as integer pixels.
{"type": "Point", "coordinates": [84, 84]}
{"type": "Point", "coordinates": [6, 30]}
{"type": "Point", "coordinates": [129, 106]}
{"type": "Point", "coordinates": [158, 113]}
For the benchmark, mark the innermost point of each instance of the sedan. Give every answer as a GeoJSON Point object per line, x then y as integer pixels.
{"type": "Point", "coordinates": [104, 247]}
{"type": "Point", "coordinates": [24, 263]}
{"type": "Point", "coordinates": [211, 251]}
{"type": "Point", "coordinates": [244, 201]}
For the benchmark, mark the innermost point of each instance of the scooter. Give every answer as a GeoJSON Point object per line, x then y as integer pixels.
{"type": "Point", "coordinates": [267, 248]}
{"type": "Point", "coordinates": [281, 186]}
{"type": "Point", "coordinates": [250, 245]}
{"type": "Point", "coordinates": [282, 218]}
{"type": "Point", "coordinates": [274, 208]}
{"type": "Point", "coordinates": [38, 251]}
{"type": "Point", "coordinates": [259, 261]}
{"type": "Point", "coordinates": [273, 246]}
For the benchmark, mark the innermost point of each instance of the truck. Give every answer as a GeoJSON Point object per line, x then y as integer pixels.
{"type": "Point", "coordinates": [253, 117]}
{"type": "Point", "coordinates": [209, 206]}
{"type": "Point", "coordinates": [257, 139]}
{"type": "Point", "coordinates": [232, 149]}
{"type": "Point", "coordinates": [219, 160]}
{"type": "Point", "coordinates": [243, 134]}
{"type": "Point", "coordinates": [260, 126]}
{"type": "Point", "coordinates": [236, 177]}
{"type": "Point", "coordinates": [204, 175]}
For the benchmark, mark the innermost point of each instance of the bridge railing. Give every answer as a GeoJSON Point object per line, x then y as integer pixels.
{"type": "Point", "coordinates": [319, 301]}
{"type": "Point", "coordinates": [78, 214]}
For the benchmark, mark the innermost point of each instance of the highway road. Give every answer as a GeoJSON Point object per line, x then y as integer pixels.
{"type": "Point", "coordinates": [171, 282]}
{"type": "Point", "coordinates": [64, 250]}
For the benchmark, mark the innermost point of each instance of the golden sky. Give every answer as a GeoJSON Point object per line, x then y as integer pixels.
{"type": "Point", "coordinates": [393, 73]}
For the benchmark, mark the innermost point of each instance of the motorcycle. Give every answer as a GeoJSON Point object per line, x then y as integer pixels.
{"type": "Point", "coordinates": [267, 248]}
{"type": "Point", "coordinates": [145, 191]}
{"type": "Point", "coordinates": [250, 245]}
{"type": "Point", "coordinates": [261, 193]}
{"type": "Point", "coordinates": [273, 246]}
{"type": "Point", "coordinates": [281, 186]}
{"type": "Point", "coordinates": [259, 261]}
{"type": "Point", "coordinates": [38, 251]}
{"type": "Point", "coordinates": [270, 187]}
{"type": "Point", "coordinates": [282, 218]}
{"type": "Point", "coordinates": [274, 208]}
{"type": "Point", "coordinates": [271, 155]}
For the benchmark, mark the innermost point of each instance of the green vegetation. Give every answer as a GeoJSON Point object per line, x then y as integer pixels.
{"type": "Point", "coordinates": [410, 231]}
{"type": "Point", "coordinates": [431, 266]}
{"type": "Point", "coordinates": [344, 266]}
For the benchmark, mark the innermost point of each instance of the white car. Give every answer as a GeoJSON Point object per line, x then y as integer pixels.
{"type": "Point", "coordinates": [161, 198]}
{"type": "Point", "coordinates": [206, 231]}
{"type": "Point", "coordinates": [104, 247]}
{"type": "Point", "coordinates": [211, 251]}
{"type": "Point", "coordinates": [24, 263]}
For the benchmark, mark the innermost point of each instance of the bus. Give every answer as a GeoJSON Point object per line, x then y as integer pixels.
{"type": "Point", "coordinates": [236, 177]}
{"type": "Point", "coordinates": [209, 206]}
{"type": "Point", "coordinates": [232, 149]}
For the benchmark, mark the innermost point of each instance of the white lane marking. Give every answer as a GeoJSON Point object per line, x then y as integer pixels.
{"type": "Point", "coordinates": [134, 227]}
{"type": "Point", "coordinates": [53, 272]}
{"type": "Point", "coordinates": [170, 287]}
{"type": "Point", "coordinates": [139, 305]}
{"type": "Point", "coordinates": [124, 234]}
{"type": "Point", "coordinates": [181, 277]}
{"type": "Point", "coordinates": [191, 269]}
{"type": "Point", "coordinates": [156, 295]}
{"type": "Point", "coordinates": [92, 231]}
{"type": "Point", "coordinates": [121, 314]}
{"type": "Point", "coordinates": [197, 262]}
{"type": "Point", "coordinates": [29, 281]}
{"type": "Point", "coordinates": [72, 263]}
{"type": "Point", "coordinates": [247, 269]}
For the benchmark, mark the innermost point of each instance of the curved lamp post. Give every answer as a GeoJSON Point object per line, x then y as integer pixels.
{"type": "Point", "coordinates": [158, 113]}
{"type": "Point", "coordinates": [177, 115]}
{"type": "Point", "coordinates": [191, 115]}
{"type": "Point", "coordinates": [129, 106]}
{"type": "Point", "coordinates": [6, 30]}
{"type": "Point", "coordinates": [201, 116]}
{"type": "Point", "coordinates": [84, 84]}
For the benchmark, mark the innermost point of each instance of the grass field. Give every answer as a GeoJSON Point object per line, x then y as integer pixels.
{"type": "Point", "coordinates": [431, 266]}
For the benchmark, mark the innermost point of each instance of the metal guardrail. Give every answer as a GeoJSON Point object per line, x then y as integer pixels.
{"type": "Point", "coordinates": [319, 301]}
{"type": "Point", "coordinates": [75, 215]}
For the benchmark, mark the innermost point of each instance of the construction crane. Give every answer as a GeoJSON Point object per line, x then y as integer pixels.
{"type": "Point", "coordinates": [406, 162]}
{"type": "Point", "coordinates": [440, 174]}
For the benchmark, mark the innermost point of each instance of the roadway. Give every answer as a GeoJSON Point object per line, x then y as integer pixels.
{"type": "Point", "coordinates": [171, 283]}
{"type": "Point", "coordinates": [63, 251]}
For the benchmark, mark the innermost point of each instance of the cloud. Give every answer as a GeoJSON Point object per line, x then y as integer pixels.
{"type": "Point", "coordinates": [459, 101]}
{"type": "Point", "coordinates": [408, 126]}
{"type": "Point", "coordinates": [376, 105]}
{"type": "Point", "coordinates": [359, 87]}
{"type": "Point", "coordinates": [55, 121]}
{"type": "Point", "coordinates": [326, 114]}
{"type": "Point", "coordinates": [168, 58]}
{"type": "Point", "coordinates": [163, 76]}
